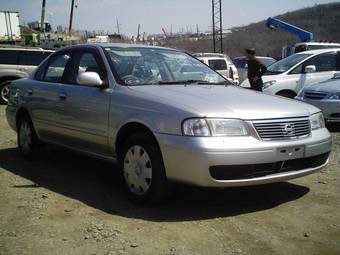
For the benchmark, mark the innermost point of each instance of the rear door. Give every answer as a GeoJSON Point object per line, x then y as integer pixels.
{"type": "Point", "coordinates": [8, 62]}
{"type": "Point", "coordinates": [44, 95]}
{"type": "Point", "coordinates": [325, 65]}
{"type": "Point", "coordinates": [83, 116]}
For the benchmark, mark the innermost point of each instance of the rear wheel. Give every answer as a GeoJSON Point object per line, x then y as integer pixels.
{"type": "Point", "coordinates": [143, 169]}
{"type": "Point", "coordinates": [4, 92]}
{"type": "Point", "coordinates": [28, 142]}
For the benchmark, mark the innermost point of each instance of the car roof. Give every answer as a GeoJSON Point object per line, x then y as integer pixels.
{"type": "Point", "coordinates": [317, 43]}
{"type": "Point", "coordinates": [22, 48]}
{"type": "Point", "coordinates": [210, 58]}
{"type": "Point", "coordinates": [261, 57]}
{"type": "Point", "coordinates": [313, 52]}
{"type": "Point", "coordinates": [118, 45]}
{"type": "Point", "coordinates": [209, 54]}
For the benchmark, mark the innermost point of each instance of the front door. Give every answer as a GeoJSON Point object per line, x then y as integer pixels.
{"type": "Point", "coordinates": [325, 65]}
{"type": "Point", "coordinates": [83, 116]}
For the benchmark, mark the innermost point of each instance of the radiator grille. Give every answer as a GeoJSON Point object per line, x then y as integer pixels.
{"type": "Point", "coordinates": [316, 95]}
{"type": "Point", "coordinates": [282, 129]}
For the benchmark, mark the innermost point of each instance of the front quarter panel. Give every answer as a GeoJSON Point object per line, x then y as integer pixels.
{"type": "Point", "coordinates": [283, 82]}
{"type": "Point", "coordinates": [130, 107]}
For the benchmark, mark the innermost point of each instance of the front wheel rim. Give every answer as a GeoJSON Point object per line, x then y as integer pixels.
{"type": "Point", "coordinates": [137, 170]}
{"type": "Point", "coordinates": [5, 93]}
{"type": "Point", "coordinates": [25, 137]}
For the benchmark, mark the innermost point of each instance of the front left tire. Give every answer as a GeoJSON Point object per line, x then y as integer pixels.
{"type": "Point", "coordinates": [143, 170]}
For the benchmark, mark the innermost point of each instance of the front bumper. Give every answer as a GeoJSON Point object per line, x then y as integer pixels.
{"type": "Point", "coordinates": [330, 108]}
{"type": "Point", "coordinates": [188, 159]}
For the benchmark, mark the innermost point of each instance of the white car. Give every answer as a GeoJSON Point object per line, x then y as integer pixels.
{"type": "Point", "coordinates": [222, 64]}
{"type": "Point", "coordinates": [289, 75]}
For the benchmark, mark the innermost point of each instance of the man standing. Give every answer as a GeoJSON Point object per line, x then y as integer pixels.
{"type": "Point", "coordinates": [255, 70]}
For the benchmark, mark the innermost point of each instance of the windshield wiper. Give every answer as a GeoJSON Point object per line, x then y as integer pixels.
{"type": "Point", "coordinates": [181, 82]}
{"type": "Point", "coordinates": [199, 82]}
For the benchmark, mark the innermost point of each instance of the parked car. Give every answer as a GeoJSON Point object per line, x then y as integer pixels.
{"type": "Point", "coordinates": [17, 63]}
{"type": "Point", "coordinates": [324, 95]}
{"type": "Point", "coordinates": [135, 104]}
{"type": "Point", "coordinates": [222, 64]}
{"type": "Point", "coordinates": [242, 65]}
{"type": "Point", "coordinates": [289, 75]}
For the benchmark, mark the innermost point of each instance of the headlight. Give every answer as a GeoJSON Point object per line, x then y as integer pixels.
{"type": "Point", "coordinates": [317, 121]}
{"type": "Point", "coordinates": [268, 84]}
{"type": "Point", "coordinates": [214, 127]}
{"type": "Point", "coordinates": [196, 127]}
{"type": "Point", "coordinates": [335, 96]}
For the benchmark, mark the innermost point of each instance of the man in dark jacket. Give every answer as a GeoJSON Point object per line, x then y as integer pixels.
{"type": "Point", "coordinates": [255, 70]}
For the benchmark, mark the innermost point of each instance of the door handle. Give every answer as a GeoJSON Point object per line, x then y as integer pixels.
{"type": "Point", "coordinates": [30, 92]}
{"type": "Point", "coordinates": [62, 95]}
{"type": "Point", "coordinates": [23, 69]}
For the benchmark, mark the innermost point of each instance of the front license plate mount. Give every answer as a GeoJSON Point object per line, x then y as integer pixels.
{"type": "Point", "coordinates": [291, 152]}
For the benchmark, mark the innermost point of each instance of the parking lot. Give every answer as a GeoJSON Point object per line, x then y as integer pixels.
{"type": "Point", "coordinates": [66, 203]}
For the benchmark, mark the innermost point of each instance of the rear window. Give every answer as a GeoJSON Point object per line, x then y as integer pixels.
{"type": "Point", "coordinates": [31, 58]}
{"type": "Point", "coordinates": [8, 57]}
{"type": "Point", "coordinates": [218, 64]}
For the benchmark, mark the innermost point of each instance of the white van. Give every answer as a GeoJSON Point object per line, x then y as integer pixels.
{"type": "Point", "coordinates": [287, 76]}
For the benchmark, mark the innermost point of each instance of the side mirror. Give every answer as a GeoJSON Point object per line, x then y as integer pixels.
{"type": "Point", "coordinates": [91, 79]}
{"type": "Point", "coordinates": [310, 69]}
{"type": "Point", "coordinates": [336, 75]}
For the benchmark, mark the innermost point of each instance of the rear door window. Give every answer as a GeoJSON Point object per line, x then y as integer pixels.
{"type": "Point", "coordinates": [218, 64]}
{"type": "Point", "coordinates": [55, 68]}
{"type": "Point", "coordinates": [8, 57]}
{"type": "Point", "coordinates": [28, 58]}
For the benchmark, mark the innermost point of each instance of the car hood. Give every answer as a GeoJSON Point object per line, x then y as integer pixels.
{"type": "Point", "coordinates": [330, 86]}
{"type": "Point", "coordinates": [225, 101]}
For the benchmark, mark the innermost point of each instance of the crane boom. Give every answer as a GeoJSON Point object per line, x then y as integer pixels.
{"type": "Point", "coordinates": [304, 35]}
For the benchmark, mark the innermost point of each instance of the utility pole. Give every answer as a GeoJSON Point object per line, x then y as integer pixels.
{"type": "Point", "coordinates": [217, 25]}
{"type": "Point", "coordinates": [42, 21]}
{"type": "Point", "coordinates": [118, 26]}
{"type": "Point", "coordinates": [71, 17]}
{"type": "Point", "coordinates": [138, 32]}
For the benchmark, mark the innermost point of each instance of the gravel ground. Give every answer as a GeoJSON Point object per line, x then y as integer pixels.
{"type": "Point", "coordinates": [67, 203]}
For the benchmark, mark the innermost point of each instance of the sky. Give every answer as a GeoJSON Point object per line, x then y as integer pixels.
{"type": "Point", "coordinates": [152, 15]}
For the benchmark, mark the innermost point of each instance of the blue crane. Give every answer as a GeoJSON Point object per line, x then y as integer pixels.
{"type": "Point", "coordinates": [304, 35]}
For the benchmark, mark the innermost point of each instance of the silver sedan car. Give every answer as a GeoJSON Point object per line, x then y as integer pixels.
{"type": "Point", "coordinates": [324, 95]}
{"type": "Point", "coordinates": [165, 116]}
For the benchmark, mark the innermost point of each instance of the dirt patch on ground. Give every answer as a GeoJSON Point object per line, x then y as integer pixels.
{"type": "Point", "coordinates": [71, 204]}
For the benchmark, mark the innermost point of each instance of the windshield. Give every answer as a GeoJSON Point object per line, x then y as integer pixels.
{"type": "Point", "coordinates": [148, 66]}
{"type": "Point", "coordinates": [267, 61]}
{"type": "Point", "coordinates": [285, 64]}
